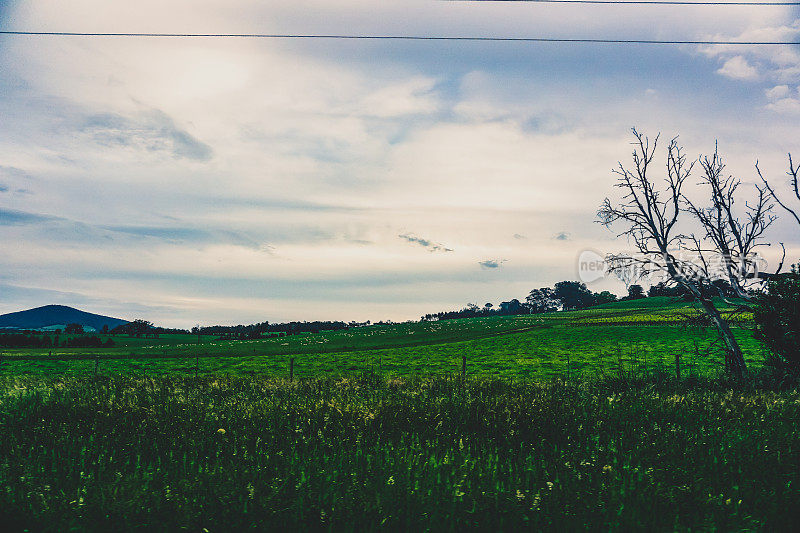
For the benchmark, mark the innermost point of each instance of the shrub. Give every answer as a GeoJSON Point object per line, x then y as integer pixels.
{"type": "Point", "coordinates": [777, 319]}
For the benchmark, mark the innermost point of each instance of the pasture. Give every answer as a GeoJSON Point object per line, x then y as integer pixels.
{"type": "Point", "coordinates": [635, 335]}
{"type": "Point", "coordinates": [565, 421]}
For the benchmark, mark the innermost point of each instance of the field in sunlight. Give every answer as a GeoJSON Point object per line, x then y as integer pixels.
{"type": "Point", "coordinates": [640, 335]}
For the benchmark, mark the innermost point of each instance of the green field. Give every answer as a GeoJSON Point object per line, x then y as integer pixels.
{"type": "Point", "coordinates": [368, 454]}
{"type": "Point", "coordinates": [636, 335]}
{"type": "Point", "coordinates": [565, 421]}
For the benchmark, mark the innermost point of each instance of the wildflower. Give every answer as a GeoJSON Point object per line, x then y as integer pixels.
{"type": "Point", "coordinates": [550, 485]}
{"type": "Point", "coordinates": [390, 481]}
{"type": "Point", "coordinates": [221, 431]}
{"type": "Point", "coordinates": [607, 469]}
{"type": "Point", "coordinates": [520, 495]}
{"type": "Point", "coordinates": [537, 499]}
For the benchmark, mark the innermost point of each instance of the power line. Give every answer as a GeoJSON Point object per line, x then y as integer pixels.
{"type": "Point", "coordinates": [641, 2]}
{"type": "Point", "coordinates": [393, 37]}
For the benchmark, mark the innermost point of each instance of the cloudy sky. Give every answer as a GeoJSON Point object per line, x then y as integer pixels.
{"type": "Point", "coordinates": [204, 180]}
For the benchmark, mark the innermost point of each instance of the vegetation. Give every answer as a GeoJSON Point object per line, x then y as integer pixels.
{"type": "Point", "coordinates": [568, 420]}
{"type": "Point", "coordinates": [366, 453]}
{"type": "Point", "coordinates": [634, 334]}
{"type": "Point", "coordinates": [32, 340]}
{"type": "Point", "coordinates": [777, 318]}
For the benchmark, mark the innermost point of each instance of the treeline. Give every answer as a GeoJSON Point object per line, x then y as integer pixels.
{"type": "Point", "coordinates": [718, 287]}
{"type": "Point", "coordinates": [265, 329]}
{"type": "Point", "coordinates": [139, 328]}
{"type": "Point", "coordinates": [31, 340]}
{"type": "Point", "coordinates": [571, 296]}
{"type": "Point", "coordinates": [564, 295]}
{"type": "Point", "coordinates": [144, 328]}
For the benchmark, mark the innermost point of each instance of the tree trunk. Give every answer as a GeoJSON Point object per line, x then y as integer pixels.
{"type": "Point", "coordinates": [734, 356]}
{"type": "Point", "coordinates": [734, 359]}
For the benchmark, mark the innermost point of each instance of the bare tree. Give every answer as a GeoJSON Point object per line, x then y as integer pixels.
{"type": "Point", "coordinates": [730, 237]}
{"type": "Point", "coordinates": [793, 184]}
{"type": "Point", "coordinates": [725, 247]}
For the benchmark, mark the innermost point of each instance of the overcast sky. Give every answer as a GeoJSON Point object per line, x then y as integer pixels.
{"type": "Point", "coordinates": [220, 181]}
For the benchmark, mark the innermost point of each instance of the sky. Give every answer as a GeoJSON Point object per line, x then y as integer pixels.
{"type": "Point", "coordinates": [224, 181]}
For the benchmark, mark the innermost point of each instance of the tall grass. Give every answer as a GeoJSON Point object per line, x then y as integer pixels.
{"type": "Point", "coordinates": [368, 453]}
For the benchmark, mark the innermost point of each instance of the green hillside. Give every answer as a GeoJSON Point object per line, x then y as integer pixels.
{"type": "Point", "coordinates": [639, 334]}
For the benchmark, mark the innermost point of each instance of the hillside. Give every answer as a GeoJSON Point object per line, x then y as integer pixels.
{"type": "Point", "coordinates": [642, 334]}
{"type": "Point", "coordinates": [57, 315]}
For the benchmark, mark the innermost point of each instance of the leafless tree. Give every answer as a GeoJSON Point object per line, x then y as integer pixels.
{"type": "Point", "coordinates": [793, 184]}
{"type": "Point", "coordinates": [651, 210]}
{"type": "Point", "coordinates": [730, 237]}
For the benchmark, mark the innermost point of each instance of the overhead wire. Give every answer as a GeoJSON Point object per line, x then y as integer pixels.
{"type": "Point", "coordinates": [395, 37]}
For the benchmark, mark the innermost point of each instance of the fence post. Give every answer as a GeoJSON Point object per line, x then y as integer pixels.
{"type": "Point", "coordinates": [291, 369]}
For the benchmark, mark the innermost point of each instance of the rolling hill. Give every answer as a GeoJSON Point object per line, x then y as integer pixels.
{"type": "Point", "coordinates": [51, 316]}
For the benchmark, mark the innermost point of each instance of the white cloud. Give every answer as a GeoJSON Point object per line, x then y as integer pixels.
{"type": "Point", "coordinates": [785, 105]}
{"type": "Point", "coordinates": [738, 68]}
{"type": "Point", "coordinates": [781, 101]}
{"type": "Point", "coordinates": [778, 63]}
{"type": "Point", "coordinates": [406, 98]}
{"type": "Point", "coordinates": [777, 92]}
{"type": "Point", "coordinates": [225, 179]}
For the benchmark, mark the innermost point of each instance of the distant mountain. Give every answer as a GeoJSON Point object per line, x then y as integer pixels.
{"type": "Point", "coordinates": [57, 316]}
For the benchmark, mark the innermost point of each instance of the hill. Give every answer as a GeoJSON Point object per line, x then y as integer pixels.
{"type": "Point", "coordinates": [51, 316]}
{"type": "Point", "coordinates": [640, 334]}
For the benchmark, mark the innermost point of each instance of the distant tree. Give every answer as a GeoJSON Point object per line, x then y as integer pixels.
{"type": "Point", "coordinates": [573, 295]}
{"type": "Point", "coordinates": [488, 306]}
{"type": "Point", "coordinates": [635, 292]}
{"type": "Point", "coordinates": [73, 329]}
{"type": "Point", "coordinates": [604, 297]}
{"type": "Point", "coordinates": [105, 329]}
{"type": "Point", "coordinates": [136, 328]}
{"type": "Point", "coordinates": [542, 300]}
{"type": "Point", "coordinates": [513, 307]}
{"type": "Point", "coordinates": [662, 288]}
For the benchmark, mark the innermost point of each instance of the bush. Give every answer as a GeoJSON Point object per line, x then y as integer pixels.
{"type": "Point", "coordinates": [777, 319]}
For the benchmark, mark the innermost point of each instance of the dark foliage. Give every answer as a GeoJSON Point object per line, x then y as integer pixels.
{"type": "Point", "coordinates": [566, 295]}
{"type": "Point", "coordinates": [87, 342]}
{"type": "Point", "coordinates": [573, 295]}
{"type": "Point", "coordinates": [31, 340]}
{"type": "Point", "coordinates": [138, 327]}
{"type": "Point", "coordinates": [777, 318]}
{"type": "Point", "coordinates": [73, 329]}
{"type": "Point", "coordinates": [25, 340]}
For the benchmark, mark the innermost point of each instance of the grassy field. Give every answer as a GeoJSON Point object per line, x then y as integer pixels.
{"type": "Point", "coordinates": [565, 421]}
{"type": "Point", "coordinates": [636, 335]}
{"type": "Point", "coordinates": [365, 454]}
